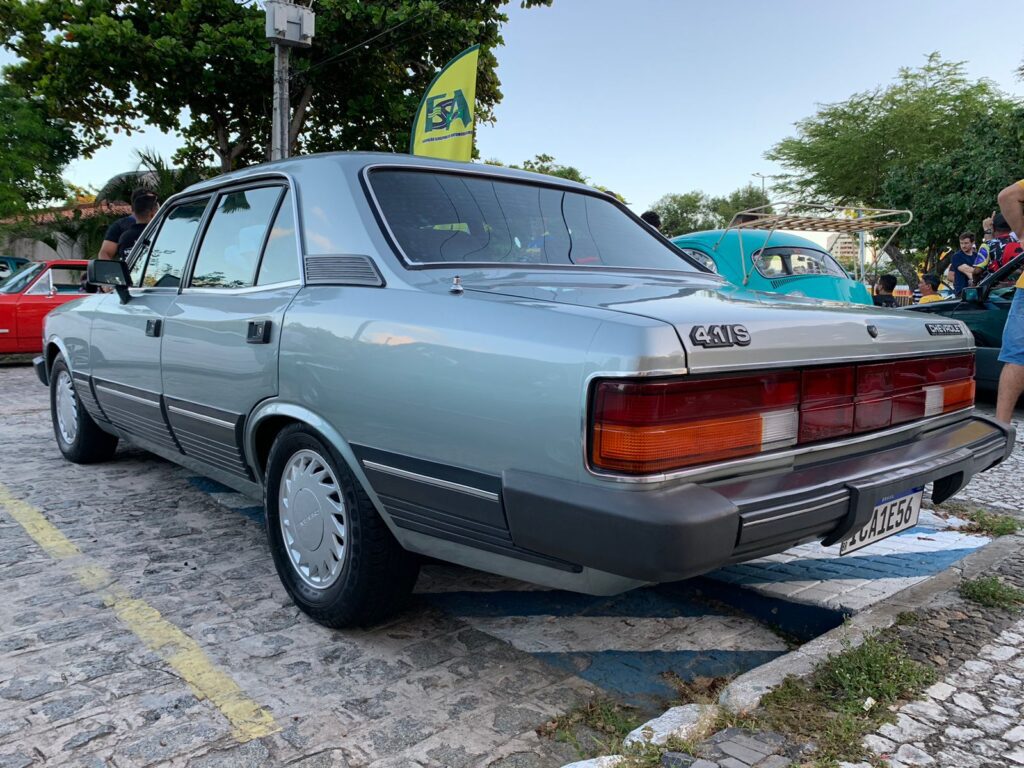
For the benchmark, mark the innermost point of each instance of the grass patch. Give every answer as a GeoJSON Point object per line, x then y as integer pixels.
{"type": "Point", "coordinates": [594, 728]}
{"type": "Point", "coordinates": [649, 756]}
{"type": "Point", "coordinates": [989, 523]}
{"type": "Point", "coordinates": [700, 690]}
{"type": "Point", "coordinates": [829, 708]}
{"type": "Point", "coordinates": [906, 618]}
{"type": "Point", "coordinates": [992, 592]}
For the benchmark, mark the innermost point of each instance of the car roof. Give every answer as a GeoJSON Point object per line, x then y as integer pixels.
{"type": "Point", "coordinates": [355, 161]}
{"type": "Point", "coordinates": [752, 239]}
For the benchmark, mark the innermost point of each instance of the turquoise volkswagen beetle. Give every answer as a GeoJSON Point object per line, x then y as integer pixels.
{"type": "Point", "coordinates": [788, 264]}
{"type": "Point", "coordinates": [754, 251]}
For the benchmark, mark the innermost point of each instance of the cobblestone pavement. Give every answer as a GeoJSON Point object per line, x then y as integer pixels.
{"type": "Point", "coordinates": [79, 687]}
{"type": "Point", "coordinates": [972, 719]}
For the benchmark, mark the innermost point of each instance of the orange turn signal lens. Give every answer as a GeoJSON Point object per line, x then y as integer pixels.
{"type": "Point", "coordinates": [657, 448]}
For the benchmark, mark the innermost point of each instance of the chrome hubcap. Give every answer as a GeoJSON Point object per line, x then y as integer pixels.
{"type": "Point", "coordinates": [67, 408]}
{"type": "Point", "coordinates": [313, 519]}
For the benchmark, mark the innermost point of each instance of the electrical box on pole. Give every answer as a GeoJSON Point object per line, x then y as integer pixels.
{"type": "Point", "coordinates": [288, 26]}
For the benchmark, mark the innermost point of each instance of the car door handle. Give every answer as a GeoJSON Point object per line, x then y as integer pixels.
{"type": "Point", "coordinates": [153, 327]}
{"type": "Point", "coordinates": [258, 332]}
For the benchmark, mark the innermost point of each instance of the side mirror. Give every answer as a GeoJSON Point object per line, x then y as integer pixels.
{"type": "Point", "coordinates": [974, 295]}
{"type": "Point", "coordinates": [113, 272]}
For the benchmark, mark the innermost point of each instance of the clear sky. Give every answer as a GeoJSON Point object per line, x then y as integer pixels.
{"type": "Point", "coordinates": [654, 96]}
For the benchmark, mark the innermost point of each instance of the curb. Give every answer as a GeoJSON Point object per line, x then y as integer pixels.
{"type": "Point", "coordinates": [745, 692]}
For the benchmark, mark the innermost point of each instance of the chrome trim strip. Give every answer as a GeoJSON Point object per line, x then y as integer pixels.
{"type": "Point", "coordinates": [201, 417]}
{"type": "Point", "coordinates": [435, 481]}
{"type": "Point", "coordinates": [5, 330]}
{"type": "Point", "coordinates": [237, 291]}
{"type": "Point", "coordinates": [827, 361]}
{"type": "Point", "coordinates": [783, 516]}
{"type": "Point", "coordinates": [135, 398]}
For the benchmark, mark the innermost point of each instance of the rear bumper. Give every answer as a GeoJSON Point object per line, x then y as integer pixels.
{"type": "Point", "coordinates": [39, 363]}
{"type": "Point", "coordinates": [676, 531]}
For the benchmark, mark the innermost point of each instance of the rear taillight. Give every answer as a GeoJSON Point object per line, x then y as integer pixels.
{"type": "Point", "coordinates": [643, 427]}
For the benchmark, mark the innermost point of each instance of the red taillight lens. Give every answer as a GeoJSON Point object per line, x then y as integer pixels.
{"type": "Point", "coordinates": [642, 427]}
{"type": "Point", "coordinates": [826, 403]}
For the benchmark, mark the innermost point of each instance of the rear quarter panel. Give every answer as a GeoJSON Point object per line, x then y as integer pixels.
{"type": "Point", "coordinates": [480, 382]}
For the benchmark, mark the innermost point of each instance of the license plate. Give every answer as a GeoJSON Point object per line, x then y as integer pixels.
{"type": "Point", "coordinates": [892, 515]}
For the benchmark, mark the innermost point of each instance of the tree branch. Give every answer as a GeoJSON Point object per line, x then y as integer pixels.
{"type": "Point", "coordinates": [299, 117]}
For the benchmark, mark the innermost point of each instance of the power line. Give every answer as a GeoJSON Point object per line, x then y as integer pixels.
{"type": "Point", "coordinates": [369, 40]}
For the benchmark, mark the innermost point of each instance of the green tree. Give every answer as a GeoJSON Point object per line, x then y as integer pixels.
{"type": "Point", "coordinates": [34, 149]}
{"type": "Point", "coordinates": [742, 199]}
{"type": "Point", "coordinates": [685, 212]}
{"type": "Point", "coordinates": [544, 163]}
{"type": "Point", "coordinates": [865, 150]}
{"type": "Point", "coordinates": [953, 193]}
{"type": "Point", "coordinates": [693, 211]}
{"type": "Point", "coordinates": [205, 69]}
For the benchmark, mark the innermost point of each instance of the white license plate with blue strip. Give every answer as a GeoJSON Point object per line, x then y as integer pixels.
{"type": "Point", "coordinates": [892, 515]}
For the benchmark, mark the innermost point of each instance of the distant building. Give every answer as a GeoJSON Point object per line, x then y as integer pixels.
{"type": "Point", "coordinates": [844, 247]}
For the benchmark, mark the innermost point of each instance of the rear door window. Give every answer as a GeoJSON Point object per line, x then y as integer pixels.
{"type": "Point", "coordinates": [230, 250]}
{"type": "Point", "coordinates": [162, 264]}
{"type": "Point", "coordinates": [280, 263]}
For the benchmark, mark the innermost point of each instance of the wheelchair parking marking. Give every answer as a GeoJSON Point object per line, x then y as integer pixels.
{"type": "Point", "coordinates": [634, 645]}
{"type": "Point", "coordinates": [248, 719]}
{"type": "Point", "coordinates": [816, 574]}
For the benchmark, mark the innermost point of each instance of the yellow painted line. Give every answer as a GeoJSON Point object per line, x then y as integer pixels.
{"type": "Point", "coordinates": [46, 535]}
{"type": "Point", "coordinates": [248, 719]}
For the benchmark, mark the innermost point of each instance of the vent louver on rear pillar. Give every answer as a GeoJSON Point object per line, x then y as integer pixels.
{"type": "Point", "coordinates": [342, 269]}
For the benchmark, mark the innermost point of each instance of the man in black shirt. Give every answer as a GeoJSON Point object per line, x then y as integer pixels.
{"type": "Point", "coordinates": [144, 208]}
{"type": "Point", "coordinates": [108, 250]}
{"type": "Point", "coordinates": [883, 291]}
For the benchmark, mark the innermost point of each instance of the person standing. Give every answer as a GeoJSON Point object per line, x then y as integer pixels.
{"type": "Point", "coordinates": [652, 218]}
{"type": "Point", "coordinates": [144, 208]}
{"type": "Point", "coordinates": [108, 249]}
{"type": "Point", "coordinates": [929, 288]}
{"type": "Point", "coordinates": [883, 291]}
{"type": "Point", "coordinates": [1011, 380]}
{"type": "Point", "coordinates": [961, 268]}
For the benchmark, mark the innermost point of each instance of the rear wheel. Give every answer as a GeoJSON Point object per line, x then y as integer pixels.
{"type": "Point", "coordinates": [78, 436]}
{"type": "Point", "coordinates": [333, 552]}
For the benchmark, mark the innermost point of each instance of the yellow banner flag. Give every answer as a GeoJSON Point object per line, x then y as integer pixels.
{"type": "Point", "coordinates": [443, 127]}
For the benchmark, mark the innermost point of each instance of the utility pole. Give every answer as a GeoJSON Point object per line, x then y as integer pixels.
{"type": "Point", "coordinates": [288, 26]}
{"type": "Point", "coordinates": [282, 112]}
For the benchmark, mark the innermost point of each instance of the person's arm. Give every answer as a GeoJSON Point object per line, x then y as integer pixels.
{"type": "Point", "coordinates": [967, 269]}
{"type": "Point", "coordinates": [108, 250]}
{"type": "Point", "coordinates": [1011, 203]}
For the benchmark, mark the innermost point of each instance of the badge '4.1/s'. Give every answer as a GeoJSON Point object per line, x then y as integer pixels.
{"type": "Point", "coordinates": [711, 336]}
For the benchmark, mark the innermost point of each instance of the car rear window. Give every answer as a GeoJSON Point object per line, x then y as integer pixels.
{"type": "Point", "coordinates": [440, 218]}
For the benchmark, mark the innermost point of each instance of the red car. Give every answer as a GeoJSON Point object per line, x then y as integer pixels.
{"type": "Point", "coordinates": [29, 294]}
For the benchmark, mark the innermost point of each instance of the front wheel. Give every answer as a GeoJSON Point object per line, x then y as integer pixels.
{"type": "Point", "coordinates": [333, 552]}
{"type": "Point", "coordinates": [79, 437]}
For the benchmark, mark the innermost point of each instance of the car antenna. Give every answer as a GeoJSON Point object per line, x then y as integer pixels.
{"type": "Point", "coordinates": [456, 287]}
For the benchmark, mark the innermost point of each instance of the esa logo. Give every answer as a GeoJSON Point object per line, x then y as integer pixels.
{"type": "Point", "coordinates": [945, 329]}
{"type": "Point", "coordinates": [712, 336]}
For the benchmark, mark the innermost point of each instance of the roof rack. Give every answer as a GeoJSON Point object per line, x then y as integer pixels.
{"type": "Point", "coordinates": [813, 217]}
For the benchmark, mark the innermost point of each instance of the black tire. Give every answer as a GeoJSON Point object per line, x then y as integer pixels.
{"type": "Point", "coordinates": [90, 444]}
{"type": "Point", "coordinates": [376, 575]}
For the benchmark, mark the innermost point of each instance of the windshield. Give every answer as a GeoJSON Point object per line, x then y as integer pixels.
{"type": "Point", "coordinates": [17, 282]}
{"type": "Point", "coordinates": [793, 261]}
{"type": "Point", "coordinates": [442, 218]}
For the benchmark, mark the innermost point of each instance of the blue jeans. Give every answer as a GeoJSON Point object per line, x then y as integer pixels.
{"type": "Point", "coordinates": [1013, 333]}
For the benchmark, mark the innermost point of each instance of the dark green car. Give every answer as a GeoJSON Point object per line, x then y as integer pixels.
{"type": "Point", "coordinates": [984, 309]}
